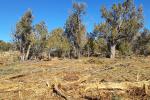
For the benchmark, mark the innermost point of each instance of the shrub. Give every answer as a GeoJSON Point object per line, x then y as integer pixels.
{"type": "Point", "coordinates": [125, 48]}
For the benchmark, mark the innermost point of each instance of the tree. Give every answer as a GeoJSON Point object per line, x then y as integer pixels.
{"type": "Point", "coordinates": [142, 43]}
{"type": "Point", "coordinates": [125, 48]}
{"type": "Point", "coordinates": [41, 36]}
{"type": "Point", "coordinates": [58, 41]}
{"type": "Point", "coordinates": [74, 29]}
{"type": "Point", "coordinates": [24, 36]}
{"type": "Point", "coordinates": [89, 46]}
{"type": "Point", "coordinates": [122, 22]}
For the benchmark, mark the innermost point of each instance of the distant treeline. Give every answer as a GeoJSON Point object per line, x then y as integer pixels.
{"type": "Point", "coordinates": [122, 30]}
{"type": "Point", "coordinates": [5, 46]}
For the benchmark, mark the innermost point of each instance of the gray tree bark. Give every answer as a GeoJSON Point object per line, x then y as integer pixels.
{"type": "Point", "coordinates": [28, 52]}
{"type": "Point", "coordinates": [112, 51]}
{"type": "Point", "coordinates": [22, 54]}
{"type": "Point", "coordinates": [49, 55]}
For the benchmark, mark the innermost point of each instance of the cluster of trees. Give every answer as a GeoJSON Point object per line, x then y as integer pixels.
{"type": "Point", "coordinates": [121, 30]}
{"type": "Point", "coordinates": [5, 46]}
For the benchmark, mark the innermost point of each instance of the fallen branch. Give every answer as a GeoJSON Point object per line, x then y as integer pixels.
{"type": "Point", "coordinates": [60, 92]}
{"type": "Point", "coordinates": [17, 76]}
{"type": "Point", "coordinates": [57, 87]}
{"type": "Point", "coordinates": [81, 80]}
{"type": "Point", "coordinates": [120, 86]}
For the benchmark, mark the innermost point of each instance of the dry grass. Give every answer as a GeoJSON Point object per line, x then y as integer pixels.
{"type": "Point", "coordinates": [34, 80]}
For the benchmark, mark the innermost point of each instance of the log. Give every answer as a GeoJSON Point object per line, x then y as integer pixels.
{"type": "Point", "coordinates": [118, 86]}
{"type": "Point", "coordinates": [57, 87]}
{"type": "Point", "coordinates": [60, 92]}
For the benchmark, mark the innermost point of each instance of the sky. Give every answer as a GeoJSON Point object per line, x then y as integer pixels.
{"type": "Point", "coordinates": [55, 13]}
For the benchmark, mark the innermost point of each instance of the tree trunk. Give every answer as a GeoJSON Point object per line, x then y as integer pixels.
{"type": "Point", "coordinates": [88, 51]}
{"type": "Point", "coordinates": [79, 53]}
{"type": "Point", "coordinates": [112, 51]}
{"type": "Point", "coordinates": [49, 55]}
{"type": "Point", "coordinates": [28, 51]}
{"type": "Point", "coordinates": [22, 54]}
{"type": "Point", "coordinates": [75, 53]}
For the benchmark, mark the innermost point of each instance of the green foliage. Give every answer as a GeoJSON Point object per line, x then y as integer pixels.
{"type": "Point", "coordinates": [74, 28]}
{"type": "Point", "coordinates": [41, 36]}
{"type": "Point", "coordinates": [142, 44]}
{"type": "Point", "coordinates": [96, 46]}
{"type": "Point", "coordinates": [24, 32]}
{"type": "Point", "coordinates": [125, 48]}
{"type": "Point", "coordinates": [4, 46]}
{"type": "Point", "coordinates": [101, 46]}
{"type": "Point", "coordinates": [24, 36]}
{"type": "Point", "coordinates": [57, 40]}
{"type": "Point", "coordinates": [122, 23]}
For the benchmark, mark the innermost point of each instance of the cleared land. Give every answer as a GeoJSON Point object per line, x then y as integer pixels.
{"type": "Point", "coordinates": [83, 79]}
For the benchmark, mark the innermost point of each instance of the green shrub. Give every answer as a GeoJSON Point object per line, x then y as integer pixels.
{"type": "Point", "coordinates": [125, 48]}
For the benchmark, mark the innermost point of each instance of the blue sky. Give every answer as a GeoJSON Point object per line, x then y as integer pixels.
{"type": "Point", "coordinates": [55, 13]}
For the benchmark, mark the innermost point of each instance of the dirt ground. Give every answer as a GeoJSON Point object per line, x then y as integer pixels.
{"type": "Point", "coordinates": [36, 80]}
